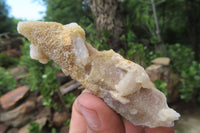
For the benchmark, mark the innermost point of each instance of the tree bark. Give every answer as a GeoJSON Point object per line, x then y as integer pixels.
{"type": "Point", "coordinates": [108, 19]}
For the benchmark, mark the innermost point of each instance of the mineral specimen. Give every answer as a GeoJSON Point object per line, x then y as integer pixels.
{"type": "Point", "coordinates": [122, 84]}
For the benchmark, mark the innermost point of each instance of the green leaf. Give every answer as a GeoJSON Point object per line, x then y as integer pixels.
{"type": "Point", "coordinates": [161, 85]}
{"type": "Point", "coordinates": [35, 128]}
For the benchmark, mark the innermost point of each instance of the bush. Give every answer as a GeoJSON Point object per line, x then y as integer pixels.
{"type": "Point", "coordinates": [181, 56]}
{"type": "Point", "coordinates": [190, 82]}
{"type": "Point", "coordinates": [6, 60]}
{"type": "Point", "coordinates": [7, 81]}
{"type": "Point", "coordinates": [137, 52]}
{"type": "Point", "coordinates": [182, 61]}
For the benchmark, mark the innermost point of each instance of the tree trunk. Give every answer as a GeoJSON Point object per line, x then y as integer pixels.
{"type": "Point", "coordinates": [108, 19]}
{"type": "Point", "coordinates": [160, 44]}
{"type": "Point", "coordinates": [156, 21]}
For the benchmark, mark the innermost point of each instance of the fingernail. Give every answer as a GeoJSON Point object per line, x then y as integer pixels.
{"type": "Point", "coordinates": [90, 116]}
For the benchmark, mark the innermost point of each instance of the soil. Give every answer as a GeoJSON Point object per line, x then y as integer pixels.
{"type": "Point", "coordinates": [190, 118]}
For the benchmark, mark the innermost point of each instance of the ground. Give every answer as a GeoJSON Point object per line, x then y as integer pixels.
{"type": "Point", "coordinates": [190, 119]}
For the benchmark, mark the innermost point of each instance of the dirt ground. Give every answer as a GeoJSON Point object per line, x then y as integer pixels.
{"type": "Point", "coordinates": [190, 119]}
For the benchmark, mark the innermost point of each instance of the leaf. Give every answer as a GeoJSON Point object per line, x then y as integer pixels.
{"type": "Point", "coordinates": [35, 127]}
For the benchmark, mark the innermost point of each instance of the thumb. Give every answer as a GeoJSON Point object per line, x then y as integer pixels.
{"type": "Point", "coordinates": [99, 117]}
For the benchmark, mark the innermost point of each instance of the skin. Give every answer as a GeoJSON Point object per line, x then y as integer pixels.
{"type": "Point", "coordinates": [91, 115]}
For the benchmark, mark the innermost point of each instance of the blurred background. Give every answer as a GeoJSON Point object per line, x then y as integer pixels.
{"type": "Point", "coordinates": [161, 35]}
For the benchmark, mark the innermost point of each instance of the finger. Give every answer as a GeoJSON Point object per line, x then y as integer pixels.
{"type": "Point", "coordinates": [99, 117]}
{"type": "Point", "coordinates": [159, 130]}
{"type": "Point", "coordinates": [78, 123]}
{"type": "Point", "coordinates": [130, 128]}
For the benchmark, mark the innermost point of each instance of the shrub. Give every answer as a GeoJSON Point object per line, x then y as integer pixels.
{"type": "Point", "coordinates": [7, 81]}
{"type": "Point", "coordinates": [190, 82]}
{"type": "Point", "coordinates": [6, 60]}
{"type": "Point", "coordinates": [182, 61]}
{"type": "Point", "coordinates": [181, 56]}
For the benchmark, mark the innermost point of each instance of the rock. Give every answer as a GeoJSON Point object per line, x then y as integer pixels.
{"type": "Point", "coordinates": [173, 91]}
{"type": "Point", "coordinates": [28, 107]}
{"type": "Point", "coordinates": [20, 115]}
{"type": "Point", "coordinates": [13, 130]}
{"type": "Point", "coordinates": [10, 99]}
{"type": "Point", "coordinates": [154, 72]}
{"type": "Point", "coordinates": [165, 73]}
{"type": "Point", "coordinates": [161, 61]}
{"type": "Point", "coordinates": [64, 129]}
{"type": "Point", "coordinates": [21, 120]}
{"type": "Point", "coordinates": [59, 118]}
{"type": "Point", "coordinates": [41, 121]}
{"type": "Point", "coordinates": [45, 112]}
{"type": "Point", "coordinates": [104, 73]}
{"type": "Point", "coordinates": [19, 72]}
{"type": "Point", "coordinates": [3, 128]}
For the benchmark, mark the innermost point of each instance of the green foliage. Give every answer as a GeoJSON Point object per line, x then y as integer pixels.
{"type": "Point", "coordinates": [139, 16]}
{"type": "Point", "coordinates": [35, 128]}
{"type": "Point", "coordinates": [100, 44]}
{"type": "Point", "coordinates": [181, 56]}
{"type": "Point", "coordinates": [7, 24]}
{"type": "Point", "coordinates": [42, 77]}
{"type": "Point", "coordinates": [67, 123]}
{"type": "Point", "coordinates": [53, 130]}
{"type": "Point", "coordinates": [6, 60]}
{"type": "Point", "coordinates": [137, 51]}
{"type": "Point", "coordinates": [69, 99]}
{"type": "Point", "coordinates": [161, 85]}
{"type": "Point", "coordinates": [7, 81]}
{"type": "Point", "coordinates": [68, 11]}
{"type": "Point", "coordinates": [190, 79]}
{"type": "Point", "coordinates": [182, 60]}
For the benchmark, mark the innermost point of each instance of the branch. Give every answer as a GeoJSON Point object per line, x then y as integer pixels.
{"type": "Point", "coordinates": [156, 21]}
{"type": "Point", "coordinates": [69, 86]}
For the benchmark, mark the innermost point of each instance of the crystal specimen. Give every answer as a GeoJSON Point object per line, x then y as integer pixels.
{"type": "Point", "coordinates": [122, 84]}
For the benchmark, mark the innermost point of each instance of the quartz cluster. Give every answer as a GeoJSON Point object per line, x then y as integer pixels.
{"type": "Point", "coordinates": [122, 84]}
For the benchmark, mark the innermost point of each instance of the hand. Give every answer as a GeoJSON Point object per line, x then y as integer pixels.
{"type": "Point", "coordinates": [91, 115]}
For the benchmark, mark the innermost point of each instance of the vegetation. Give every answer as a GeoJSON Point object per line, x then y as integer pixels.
{"type": "Point", "coordinates": [7, 24]}
{"type": "Point", "coordinates": [161, 86]}
{"type": "Point", "coordinates": [7, 60]}
{"type": "Point", "coordinates": [42, 77]}
{"type": "Point", "coordinates": [7, 81]}
{"type": "Point", "coordinates": [35, 127]}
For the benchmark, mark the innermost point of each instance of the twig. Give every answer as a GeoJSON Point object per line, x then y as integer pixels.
{"type": "Point", "coordinates": [69, 87]}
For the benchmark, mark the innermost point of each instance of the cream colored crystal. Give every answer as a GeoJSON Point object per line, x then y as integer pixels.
{"type": "Point", "coordinates": [122, 84]}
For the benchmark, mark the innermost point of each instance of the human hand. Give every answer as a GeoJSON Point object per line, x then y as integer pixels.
{"type": "Point", "coordinates": [91, 115]}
